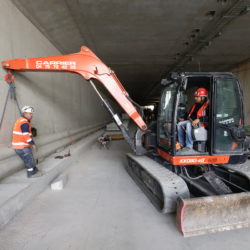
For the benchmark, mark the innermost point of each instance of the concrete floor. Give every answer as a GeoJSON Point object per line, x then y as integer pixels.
{"type": "Point", "coordinates": [102, 208]}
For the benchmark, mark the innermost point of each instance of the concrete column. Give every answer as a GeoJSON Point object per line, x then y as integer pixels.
{"type": "Point", "coordinates": [243, 72]}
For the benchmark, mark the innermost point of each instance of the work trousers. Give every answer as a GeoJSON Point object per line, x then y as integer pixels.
{"type": "Point", "coordinates": [185, 138]}
{"type": "Point", "coordinates": [27, 156]}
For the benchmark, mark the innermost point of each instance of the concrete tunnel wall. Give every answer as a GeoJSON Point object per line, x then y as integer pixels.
{"type": "Point", "coordinates": [66, 106]}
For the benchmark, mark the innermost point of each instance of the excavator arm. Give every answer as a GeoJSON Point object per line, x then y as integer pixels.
{"type": "Point", "coordinates": [89, 66]}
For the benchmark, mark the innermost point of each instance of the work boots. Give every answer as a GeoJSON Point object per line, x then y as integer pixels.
{"type": "Point", "coordinates": [187, 151]}
{"type": "Point", "coordinates": [35, 173]}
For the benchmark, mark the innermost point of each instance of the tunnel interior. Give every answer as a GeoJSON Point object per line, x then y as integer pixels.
{"type": "Point", "coordinates": [143, 42]}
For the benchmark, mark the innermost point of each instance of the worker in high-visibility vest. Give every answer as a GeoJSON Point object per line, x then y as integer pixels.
{"type": "Point", "coordinates": [197, 114]}
{"type": "Point", "coordinates": [23, 143]}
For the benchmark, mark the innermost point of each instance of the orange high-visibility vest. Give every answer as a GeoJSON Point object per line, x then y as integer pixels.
{"type": "Point", "coordinates": [200, 113]}
{"type": "Point", "coordinates": [20, 139]}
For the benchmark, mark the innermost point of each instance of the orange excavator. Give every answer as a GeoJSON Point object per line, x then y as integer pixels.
{"type": "Point", "coordinates": [207, 187]}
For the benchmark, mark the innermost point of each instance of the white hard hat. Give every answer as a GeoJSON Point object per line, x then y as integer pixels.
{"type": "Point", "coordinates": [27, 109]}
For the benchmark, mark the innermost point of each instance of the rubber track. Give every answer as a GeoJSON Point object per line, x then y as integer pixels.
{"type": "Point", "coordinates": [162, 186]}
{"type": "Point", "coordinates": [241, 169]}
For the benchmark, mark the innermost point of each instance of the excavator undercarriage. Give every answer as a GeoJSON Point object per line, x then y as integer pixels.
{"type": "Point", "coordinates": [206, 199]}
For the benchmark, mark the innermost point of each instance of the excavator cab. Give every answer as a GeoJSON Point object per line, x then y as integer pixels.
{"type": "Point", "coordinates": [224, 135]}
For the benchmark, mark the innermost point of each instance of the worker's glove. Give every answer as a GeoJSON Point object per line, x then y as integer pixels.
{"type": "Point", "coordinates": [34, 132]}
{"type": "Point", "coordinates": [195, 123]}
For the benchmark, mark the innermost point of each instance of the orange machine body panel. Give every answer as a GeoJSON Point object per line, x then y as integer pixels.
{"type": "Point", "coordinates": [193, 160]}
{"type": "Point", "coordinates": [88, 65]}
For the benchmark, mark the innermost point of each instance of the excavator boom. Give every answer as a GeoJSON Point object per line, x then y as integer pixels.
{"type": "Point", "coordinates": [88, 65]}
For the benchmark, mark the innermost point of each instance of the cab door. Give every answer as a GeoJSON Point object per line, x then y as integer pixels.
{"type": "Point", "coordinates": [227, 117]}
{"type": "Point", "coordinates": [166, 122]}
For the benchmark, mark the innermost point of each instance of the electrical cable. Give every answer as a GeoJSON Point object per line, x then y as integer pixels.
{"type": "Point", "coordinates": [192, 178]}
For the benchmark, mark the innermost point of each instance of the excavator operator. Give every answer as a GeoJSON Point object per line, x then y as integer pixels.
{"type": "Point", "coordinates": [197, 114]}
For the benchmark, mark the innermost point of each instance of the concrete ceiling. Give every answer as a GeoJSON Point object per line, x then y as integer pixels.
{"type": "Point", "coordinates": [142, 40]}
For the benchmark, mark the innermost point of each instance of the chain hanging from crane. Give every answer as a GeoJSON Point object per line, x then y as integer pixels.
{"type": "Point", "coordinates": [9, 79]}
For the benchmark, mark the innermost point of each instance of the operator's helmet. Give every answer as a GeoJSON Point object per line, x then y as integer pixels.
{"type": "Point", "coordinates": [201, 92]}
{"type": "Point", "coordinates": [27, 109]}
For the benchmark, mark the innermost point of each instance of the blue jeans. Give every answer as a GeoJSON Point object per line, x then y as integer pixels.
{"type": "Point", "coordinates": [27, 156]}
{"type": "Point", "coordinates": [184, 129]}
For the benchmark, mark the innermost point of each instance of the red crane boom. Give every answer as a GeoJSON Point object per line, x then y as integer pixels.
{"type": "Point", "coordinates": [88, 65]}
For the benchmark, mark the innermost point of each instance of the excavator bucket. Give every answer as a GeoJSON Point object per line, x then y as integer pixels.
{"type": "Point", "coordinates": [211, 214]}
